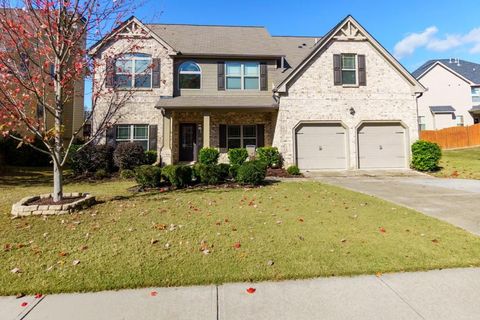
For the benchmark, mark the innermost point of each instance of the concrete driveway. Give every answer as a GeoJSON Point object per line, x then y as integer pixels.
{"type": "Point", "coordinates": [456, 201]}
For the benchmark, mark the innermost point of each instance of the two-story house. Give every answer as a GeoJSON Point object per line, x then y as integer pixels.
{"type": "Point", "coordinates": [453, 94]}
{"type": "Point", "coordinates": [339, 101]}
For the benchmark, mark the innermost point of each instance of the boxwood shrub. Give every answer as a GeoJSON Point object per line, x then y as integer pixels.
{"type": "Point", "coordinates": [91, 158]}
{"type": "Point", "coordinates": [179, 176]}
{"type": "Point", "coordinates": [129, 155]}
{"type": "Point", "coordinates": [150, 157]}
{"type": "Point", "coordinates": [425, 155]}
{"type": "Point", "coordinates": [270, 156]}
{"type": "Point", "coordinates": [237, 156]}
{"type": "Point", "coordinates": [251, 172]}
{"type": "Point", "coordinates": [293, 170]}
{"type": "Point", "coordinates": [207, 173]}
{"type": "Point", "coordinates": [148, 176]}
{"type": "Point", "coordinates": [208, 156]}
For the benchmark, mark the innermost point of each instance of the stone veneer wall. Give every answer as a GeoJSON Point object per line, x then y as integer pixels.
{"type": "Point", "coordinates": [313, 96]}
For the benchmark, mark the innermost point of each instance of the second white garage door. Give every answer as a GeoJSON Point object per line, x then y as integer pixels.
{"type": "Point", "coordinates": [321, 146]}
{"type": "Point", "coordinates": [381, 145]}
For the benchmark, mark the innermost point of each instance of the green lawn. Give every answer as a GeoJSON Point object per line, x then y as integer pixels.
{"type": "Point", "coordinates": [464, 163]}
{"type": "Point", "coordinates": [307, 229]}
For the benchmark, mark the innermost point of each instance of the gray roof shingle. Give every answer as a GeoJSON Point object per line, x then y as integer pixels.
{"type": "Point", "coordinates": [467, 69]}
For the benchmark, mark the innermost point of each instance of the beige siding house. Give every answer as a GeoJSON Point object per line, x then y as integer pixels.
{"type": "Point", "coordinates": [340, 101]}
{"type": "Point", "coordinates": [453, 94]}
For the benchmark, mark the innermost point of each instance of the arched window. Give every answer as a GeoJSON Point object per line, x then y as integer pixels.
{"type": "Point", "coordinates": [134, 70]}
{"type": "Point", "coordinates": [190, 75]}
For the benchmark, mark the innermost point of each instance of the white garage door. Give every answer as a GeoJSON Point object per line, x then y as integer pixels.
{"type": "Point", "coordinates": [381, 146]}
{"type": "Point", "coordinates": [321, 146]}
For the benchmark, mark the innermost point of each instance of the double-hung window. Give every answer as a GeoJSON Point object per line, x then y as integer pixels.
{"type": "Point", "coordinates": [137, 133]}
{"type": "Point", "coordinates": [241, 136]}
{"type": "Point", "coordinates": [460, 121]}
{"type": "Point", "coordinates": [134, 71]}
{"type": "Point", "coordinates": [242, 76]}
{"type": "Point", "coordinates": [476, 95]}
{"type": "Point", "coordinates": [421, 123]}
{"type": "Point", "coordinates": [349, 69]}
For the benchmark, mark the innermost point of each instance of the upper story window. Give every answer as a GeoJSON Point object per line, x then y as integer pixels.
{"type": "Point", "coordinates": [134, 71]}
{"type": "Point", "coordinates": [421, 123]}
{"type": "Point", "coordinates": [190, 75]}
{"type": "Point", "coordinates": [476, 94]}
{"type": "Point", "coordinates": [349, 69]}
{"type": "Point", "coordinates": [460, 121]}
{"type": "Point", "coordinates": [242, 76]}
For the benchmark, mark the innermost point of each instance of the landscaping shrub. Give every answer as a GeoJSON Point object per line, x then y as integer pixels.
{"type": "Point", "coordinates": [293, 170]}
{"type": "Point", "coordinates": [270, 156]}
{"type": "Point", "coordinates": [91, 158]}
{"type": "Point", "coordinates": [233, 170]}
{"type": "Point", "coordinates": [127, 174]}
{"type": "Point", "coordinates": [208, 156]}
{"type": "Point", "coordinates": [129, 155]}
{"type": "Point", "coordinates": [24, 156]}
{"type": "Point", "coordinates": [179, 176]}
{"type": "Point", "coordinates": [251, 172]}
{"type": "Point", "coordinates": [237, 156]}
{"type": "Point", "coordinates": [425, 155]}
{"type": "Point", "coordinates": [148, 176]}
{"type": "Point", "coordinates": [101, 174]}
{"type": "Point", "coordinates": [224, 170]}
{"type": "Point", "coordinates": [208, 173]}
{"type": "Point", "coordinates": [150, 157]}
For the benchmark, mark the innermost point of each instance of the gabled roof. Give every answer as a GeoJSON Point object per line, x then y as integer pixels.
{"type": "Point", "coordinates": [217, 40]}
{"type": "Point", "coordinates": [349, 24]}
{"type": "Point", "coordinates": [469, 71]}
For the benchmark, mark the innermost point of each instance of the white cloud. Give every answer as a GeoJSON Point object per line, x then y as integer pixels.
{"type": "Point", "coordinates": [428, 39]}
{"type": "Point", "coordinates": [410, 43]}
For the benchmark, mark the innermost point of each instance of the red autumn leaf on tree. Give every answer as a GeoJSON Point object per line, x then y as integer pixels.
{"type": "Point", "coordinates": [237, 245]}
{"type": "Point", "coordinates": [251, 290]}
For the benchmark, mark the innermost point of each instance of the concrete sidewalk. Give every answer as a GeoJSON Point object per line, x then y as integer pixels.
{"type": "Point", "coordinates": [440, 294]}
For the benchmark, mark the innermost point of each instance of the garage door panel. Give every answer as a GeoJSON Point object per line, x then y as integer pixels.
{"type": "Point", "coordinates": [321, 146]}
{"type": "Point", "coordinates": [381, 146]}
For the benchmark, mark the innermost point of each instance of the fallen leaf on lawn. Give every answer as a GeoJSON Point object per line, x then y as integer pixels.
{"type": "Point", "coordinates": [234, 229]}
{"type": "Point", "coordinates": [83, 248]}
{"type": "Point", "coordinates": [38, 296]}
{"type": "Point", "coordinates": [167, 245]}
{"type": "Point", "coordinates": [153, 241]}
{"type": "Point", "coordinates": [160, 226]}
{"type": "Point", "coordinates": [24, 304]}
{"type": "Point", "coordinates": [153, 293]}
{"type": "Point", "coordinates": [378, 274]}
{"type": "Point", "coordinates": [435, 241]}
{"type": "Point", "coordinates": [343, 240]}
{"type": "Point", "coordinates": [75, 262]}
{"type": "Point", "coordinates": [279, 221]}
{"type": "Point", "coordinates": [382, 230]}
{"type": "Point", "coordinates": [49, 268]}
{"type": "Point", "coordinates": [301, 220]}
{"type": "Point", "coordinates": [20, 295]}
{"type": "Point", "coordinates": [237, 245]}
{"type": "Point", "coordinates": [63, 254]}
{"type": "Point", "coordinates": [301, 238]}
{"type": "Point", "coordinates": [206, 251]}
{"type": "Point", "coordinates": [270, 262]}
{"type": "Point", "coordinates": [218, 223]}
{"type": "Point", "coordinates": [251, 290]}
{"type": "Point", "coordinates": [7, 247]}
{"type": "Point", "coordinates": [15, 270]}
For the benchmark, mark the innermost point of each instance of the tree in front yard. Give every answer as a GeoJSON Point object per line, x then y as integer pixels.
{"type": "Point", "coordinates": [43, 63]}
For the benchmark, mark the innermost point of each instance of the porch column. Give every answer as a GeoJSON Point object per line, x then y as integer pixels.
{"type": "Point", "coordinates": [206, 130]}
{"type": "Point", "coordinates": [166, 151]}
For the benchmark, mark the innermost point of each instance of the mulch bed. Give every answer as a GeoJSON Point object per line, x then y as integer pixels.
{"type": "Point", "coordinates": [49, 201]}
{"type": "Point", "coordinates": [281, 173]}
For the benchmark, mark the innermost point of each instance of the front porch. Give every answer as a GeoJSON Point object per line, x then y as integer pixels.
{"type": "Point", "coordinates": [185, 132]}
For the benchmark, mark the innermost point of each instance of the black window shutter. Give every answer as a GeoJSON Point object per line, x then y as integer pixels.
{"type": "Point", "coordinates": [223, 136]}
{"type": "Point", "coordinates": [263, 76]}
{"type": "Point", "coordinates": [152, 137]}
{"type": "Point", "coordinates": [337, 70]}
{"type": "Point", "coordinates": [260, 135]}
{"type": "Point", "coordinates": [111, 72]}
{"type": "Point", "coordinates": [221, 75]}
{"type": "Point", "coordinates": [112, 135]}
{"type": "Point", "coordinates": [156, 73]}
{"type": "Point", "coordinates": [362, 70]}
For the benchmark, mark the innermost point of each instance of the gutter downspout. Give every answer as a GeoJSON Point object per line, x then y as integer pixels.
{"type": "Point", "coordinates": [420, 94]}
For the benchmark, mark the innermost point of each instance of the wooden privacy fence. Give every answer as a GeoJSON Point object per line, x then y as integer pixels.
{"type": "Point", "coordinates": [454, 137]}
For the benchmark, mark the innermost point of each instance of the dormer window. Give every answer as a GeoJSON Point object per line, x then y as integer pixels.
{"type": "Point", "coordinates": [134, 71]}
{"type": "Point", "coordinates": [189, 75]}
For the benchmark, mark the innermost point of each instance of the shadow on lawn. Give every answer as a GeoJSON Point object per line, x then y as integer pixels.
{"type": "Point", "coordinates": [25, 176]}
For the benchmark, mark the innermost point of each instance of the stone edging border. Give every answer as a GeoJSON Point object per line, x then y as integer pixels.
{"type": "Point", "coordinates": [20, 208]}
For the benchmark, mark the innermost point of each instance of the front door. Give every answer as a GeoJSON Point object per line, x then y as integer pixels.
{"type": "Point", "coordinates": [188, 139]}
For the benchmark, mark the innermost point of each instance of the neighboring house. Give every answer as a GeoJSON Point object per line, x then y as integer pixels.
{"type": "Point", "coordinates": [453, 94]}
{"type": "Point", "coordinates": [340, 101]}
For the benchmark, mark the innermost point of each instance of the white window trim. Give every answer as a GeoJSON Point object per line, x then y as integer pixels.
{"type": "Point", "coordinates": [421, 123]}
{"type": "Point", "coordinates": [131, 128]}
{"type": "Point", "coordinates": [241, 138]}
{"type": "Point", "coordinates": [475, 95]}
{"type": "Point", "coordinates": [460, 123]}
{"type": "Point", "coordinates": [190, 72]}
{"type": "Point", "coordinates": [133, 59]}
{"type": "Point", "coordinates": [242, 75]}
{"type": "Point", "coordinates": [354, 69]}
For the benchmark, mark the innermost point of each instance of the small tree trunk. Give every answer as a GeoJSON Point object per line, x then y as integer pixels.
{"type": "Point", "coordinates": [58, 147]}
{"type": "Point", "coordinates": [57, 182]}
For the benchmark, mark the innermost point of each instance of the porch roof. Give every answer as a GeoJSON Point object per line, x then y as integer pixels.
{"type": "Point", "coordinates": [218, 102]}
{"type": "Point", "coordinates": [475, 109]}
